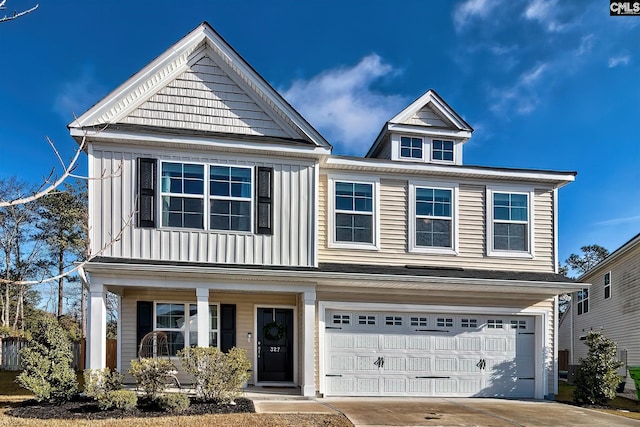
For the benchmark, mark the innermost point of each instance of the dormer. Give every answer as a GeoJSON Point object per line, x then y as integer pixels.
{"type": "Point", "coordinates": [427, 131]}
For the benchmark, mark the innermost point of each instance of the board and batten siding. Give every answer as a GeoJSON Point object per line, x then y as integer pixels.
{"type": "Point", "coordinates": [112, 206]}
{"type": "Point", "coordinates": [245, 318]}
{"type": "Point", "coordinates": [472, 229]}
{"type": "Point", "coordinates": [616, 317]}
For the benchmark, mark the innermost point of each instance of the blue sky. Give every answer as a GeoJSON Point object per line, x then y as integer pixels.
{"type": "Point", "coordinates": [547, 84]}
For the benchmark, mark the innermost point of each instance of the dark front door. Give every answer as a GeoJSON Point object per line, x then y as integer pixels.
{"type": "Point", "coordinates": [275, 344]}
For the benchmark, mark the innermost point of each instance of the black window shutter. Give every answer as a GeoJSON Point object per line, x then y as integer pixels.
{"type": "Point", "coordinates": [227, 326]}
{"type": "Point", "coordinates": [264, 202]}
{"type": "Point", "coordinates": [147, 192]}
{"type": "Point", "coordinates": [144, 322]}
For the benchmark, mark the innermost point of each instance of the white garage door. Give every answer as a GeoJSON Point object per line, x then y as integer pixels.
{"type": "Point", "coordinates": [425, 354]}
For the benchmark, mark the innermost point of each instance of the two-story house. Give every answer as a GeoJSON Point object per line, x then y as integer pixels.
{"type": "Point", "coordinates": [404, 272]}
{"type": "Point", "coordinates": [610, 305]}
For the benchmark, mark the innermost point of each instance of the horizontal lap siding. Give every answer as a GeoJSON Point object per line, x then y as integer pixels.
{"type": "Point", "coordinates": [616, 317]}
{"type": "Point", "coordinates": [112, 207]}
{"type": "Point", "coordinates": [472, 249]}
{"type": "Point", "coordinates": [245, 317]}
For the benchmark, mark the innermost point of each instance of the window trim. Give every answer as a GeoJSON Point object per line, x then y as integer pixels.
{"type": "Point", "coordinates": [411, 229]}
{"type": "Point", "coordinates": [453, 149]}
{"type": "Point", "coordinates": [185, 329]}
{"type": "Point", "coordinates": [422, 149]}
{"type": "Point", "coordinates": [530, 193]}
{"type": "Point", "coordinates": [206, 197]}
{"type": "Point", "coordinates": [580, 302]}
{"type": "Point", "coordinates": [607, 285]}
{"type": "Point", "coordinates": [331, 211]}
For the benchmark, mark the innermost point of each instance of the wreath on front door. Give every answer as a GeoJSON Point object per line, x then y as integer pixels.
{"type": "Point", "coordinates": [274, 331]}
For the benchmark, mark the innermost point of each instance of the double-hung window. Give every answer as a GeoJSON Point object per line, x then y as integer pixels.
{"type": "Point", "coordinates": [230, 196]}
{"type": "Point", "coordinates": [510, 232]}
{"type": "Point", "coordinates": [180, 322]}
{"type": "Point", "coordinates": [442, 150]}
{"type": "Point", "coordinates": [410, 148]}
{"type": "Point", "coordinates": [583, 301]}
{"type": "Point", "coordinates": [353, 205]}
{"type": "Point", "coordinates": [182, 195]}
{"type": "Point", "coordinates": [433, 218]}
{"type": "Point", "coordinates": [607, 285]}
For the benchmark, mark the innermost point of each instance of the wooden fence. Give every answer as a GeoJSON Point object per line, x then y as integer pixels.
{"type": "Point", "coordinates": [563, 360]}
{"type": "Point", "coordinates": [10, 354]}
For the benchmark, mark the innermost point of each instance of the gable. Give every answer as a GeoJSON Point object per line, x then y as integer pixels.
{"type": "Point", "coordinates": [205, 98]}
{"type": "Point", "coordinates": [200, 84]}
{"type": "Point", "coordinates": [427, 116]}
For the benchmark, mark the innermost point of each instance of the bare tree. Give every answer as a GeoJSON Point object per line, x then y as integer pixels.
{"type": "Point", "coordinates": [15, 14]}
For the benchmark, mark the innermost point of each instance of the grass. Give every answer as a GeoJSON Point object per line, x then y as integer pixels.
{"type": "Point", "coordinates": [12, 395]}
{"type": "Point", "coordinates": [619, 406]}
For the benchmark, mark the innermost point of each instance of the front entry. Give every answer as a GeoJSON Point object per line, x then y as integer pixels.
{"type": "Point", "coordinates": [275, 345]}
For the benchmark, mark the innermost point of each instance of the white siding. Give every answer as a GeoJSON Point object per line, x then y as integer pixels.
{"type": "Point", "coordinates": [472, 251]}
{"type": "Point", "coordinates": [204, 98]}
{"type": "Point", "coordinates": [426, 116]}
{"type": "Point", "coordinates": [112, 206]}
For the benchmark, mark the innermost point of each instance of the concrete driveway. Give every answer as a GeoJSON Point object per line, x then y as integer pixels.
{"type": "Point", "coordinates": [468, 412]}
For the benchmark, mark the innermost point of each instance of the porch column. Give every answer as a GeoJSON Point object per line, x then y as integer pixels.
{"type": "Point", "coordinates": [96, 348]}
{"type": "Point", "coordinates": [308, 344]}
{"type": "Point", "coordinates": [202, 295]}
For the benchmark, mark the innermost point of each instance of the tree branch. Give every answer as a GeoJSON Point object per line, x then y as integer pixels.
{"type": "Point", "coordinates": [16, 14]}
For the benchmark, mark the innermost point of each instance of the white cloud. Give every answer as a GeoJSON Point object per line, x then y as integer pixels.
{"type": "Point", "coordinates": [521, 97]}
{"type": "Point", "coordinates": [343, 106]}
{"type": "Point", "coordinates": [472, 9]}
{"type": "Point", "coordinates": [620, 220]}
{"type": "Point", "coordinates": [545, 12]}
{"type": "Point", "coordinates": [586, 44]}
{"type": "Point", "coordinates": [619, 60]}
{"type": "Point", "coordinates": [76, 96]}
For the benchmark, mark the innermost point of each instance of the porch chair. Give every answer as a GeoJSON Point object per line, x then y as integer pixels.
{"type": "Point", "coordinates": [155, 345]}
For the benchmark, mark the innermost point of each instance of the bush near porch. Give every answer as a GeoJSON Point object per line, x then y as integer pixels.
{"type": "Point", "coordinates": [617, 406]}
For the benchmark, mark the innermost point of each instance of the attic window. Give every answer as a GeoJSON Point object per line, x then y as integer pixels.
{"type": "Point", "coordinates": [442, 150]}
{"type": "Point", "coordinates": [410, 148]}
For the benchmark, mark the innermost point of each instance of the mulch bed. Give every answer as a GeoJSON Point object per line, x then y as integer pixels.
{"type": "Point", "coordinates": [82, 408]}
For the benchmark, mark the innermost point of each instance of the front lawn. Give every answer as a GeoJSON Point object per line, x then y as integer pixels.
{"type": "Point", "coordinates": [618, 406]}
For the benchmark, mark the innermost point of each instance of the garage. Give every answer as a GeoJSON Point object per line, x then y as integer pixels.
{"type": "Point", "coordinates": [428, 354]}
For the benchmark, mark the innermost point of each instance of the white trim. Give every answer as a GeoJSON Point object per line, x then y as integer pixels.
{"type": "Point", "coordinates": [411, 220]}
{"type": "Point", "coordinates": [555, 344]}
{"type": "Point", "coordinates": [556, 259]}
{"type": "Point", "coordinates": [331, 211]}
{"type": "Point", "coordinates": [540, 321]}
{"type": "Point", "coordinates": [436, 103]}
{"type": "Point", "coordinates": [454, 148]}
{"type": "Point", "coordinates": [605, 286]}
{"type": "Point", "coordinates": [118, 334]}
{"type": "Point", "coordinates": [294, 344]}
{"type": "Point", "coordinates": [315, 230]}
{"type": "Point", "coordinates": [396, 148]}
{"type": "Point", "coordinates": [510, 189]}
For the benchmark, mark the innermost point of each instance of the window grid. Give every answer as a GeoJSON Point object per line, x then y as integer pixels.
{"type": "Point", "coordinates": [434, 217]}
{"type": "Point", "coordinates": [519, 324]}
{"type": "Point", "coordinates": [366, 320]}
{"type": "Point", "coordinates": [353, 212]}
{"type": "Point", "coordinates": [444, 322]}
{"type": "Point", "coordinates": [494, 324]}
{"type": "Point", "coordinates": [442, 150]}
{"type": "Point", "coordinates": [341, 319]}
{"type": "Point", "coordinates": [171, 318]}
{"type": "Point", "coordinates": [510, 221]}
{"type": "Point", "coordinates": [393, 321]}
{"type": "Point", "coordinates": [583, 301]}
{"type": "Point", "coordinates": [469, 323]}
{"type": "Point", "coordinates": [230, 196]}
{"type": "Point", "coordinates": [410, 148]}
{"type": "Point", "coordinates": [607, 285]}
{"type": "Point", "coordinates": [419, 321]}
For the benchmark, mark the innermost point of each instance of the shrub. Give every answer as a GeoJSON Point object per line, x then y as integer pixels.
{"type": "Point", "coordinates": [173, 402]}
{"type": "Point", "coordinates": [46, 363]}
{"type": "Point", "coordinates": [597, 379]}
{"type": "Point", "coordinates": [100, 381]}
{"type": "Point", "coordinates": [118, 399]}
{"type": "Point", "coordinates": [151, 375]}
{"type": "Point", "coordinates": [219, 376]}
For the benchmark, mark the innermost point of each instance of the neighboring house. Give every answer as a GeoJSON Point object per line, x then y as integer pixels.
{"type": "Point", "coordinates": [401, 273]}
{"type": "Point", "coordinates": [611, 305]}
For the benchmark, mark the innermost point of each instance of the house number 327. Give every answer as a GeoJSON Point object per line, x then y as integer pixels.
{"type": "Point", "coordinates": [274, 349]}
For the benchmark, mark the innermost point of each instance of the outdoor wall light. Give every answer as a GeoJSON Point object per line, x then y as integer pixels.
{"type": "Point", "coordinates": [249, 335]}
